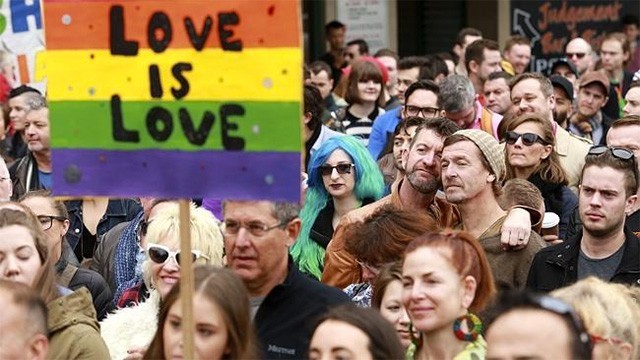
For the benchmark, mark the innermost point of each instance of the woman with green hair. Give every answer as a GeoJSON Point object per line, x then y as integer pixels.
{"type": "Point", "coordinates": [342, 177]}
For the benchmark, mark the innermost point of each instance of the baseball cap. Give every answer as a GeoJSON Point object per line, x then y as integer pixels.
{"type": "Point", "coordinates": [564, 84]}
{"type": "Point", "coordinates": [597, 77]}
{"type": "Point", "coordinates": [566, 62]}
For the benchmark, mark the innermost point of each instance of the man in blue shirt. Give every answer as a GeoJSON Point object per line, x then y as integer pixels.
{"type": "Point", "coordinates": [421, 99]}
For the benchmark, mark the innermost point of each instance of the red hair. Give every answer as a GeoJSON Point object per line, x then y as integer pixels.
{"type": "Point", "coordinates": [466, 255]}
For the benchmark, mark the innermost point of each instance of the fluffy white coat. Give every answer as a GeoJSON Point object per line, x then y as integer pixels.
{"type": "Point", "coordinates": [132, 327]}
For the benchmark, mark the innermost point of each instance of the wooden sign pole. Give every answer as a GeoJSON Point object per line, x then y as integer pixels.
{"type": "Point", "coordinates": [186, 280]}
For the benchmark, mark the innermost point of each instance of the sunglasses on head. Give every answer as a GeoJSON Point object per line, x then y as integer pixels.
{"type": "Point", "coordinates": [342, 169]}
{"type": "Point", "coordinates": [161, 254]}
{"type": "Point", "coordinates": [528, 139]}
{"type": "Point", "coordinates": [620, 153]}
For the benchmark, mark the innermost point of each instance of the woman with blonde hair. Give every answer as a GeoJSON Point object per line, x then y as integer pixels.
{"type": "Point", "coordinates": [129, 330]}
{"type": "Point", "coordinates": [610, 315]}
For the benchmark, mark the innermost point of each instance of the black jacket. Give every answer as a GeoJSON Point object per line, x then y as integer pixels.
{"type": "Point", "coordinates": [81, 277]}
{"type": "Point", "coordinates": [557, 266]}
{"type": "Point", "coordinates": [20, 171]}
{"type": "Point", "coordinates": [287, 314]}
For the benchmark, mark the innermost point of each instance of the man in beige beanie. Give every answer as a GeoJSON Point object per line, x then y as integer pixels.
{"type": "Point", "coordinates": [472, 172]}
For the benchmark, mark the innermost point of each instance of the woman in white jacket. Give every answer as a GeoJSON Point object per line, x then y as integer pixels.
{"type": "Point", "coordinates": [129, 330]}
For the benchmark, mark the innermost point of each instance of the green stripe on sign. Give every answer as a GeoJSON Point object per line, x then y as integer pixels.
{"type": "Point", "coordinates": [265, 126]}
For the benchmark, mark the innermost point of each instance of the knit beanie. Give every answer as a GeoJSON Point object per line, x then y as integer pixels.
{"type": "Point", "coordinates": [490, 148]}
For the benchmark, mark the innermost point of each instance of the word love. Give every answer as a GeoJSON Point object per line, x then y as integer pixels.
{"type": "Point", "coordinates": [160, 32]}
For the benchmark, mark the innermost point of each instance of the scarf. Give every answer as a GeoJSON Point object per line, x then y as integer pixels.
{"type": "Point", "coordinates": [126, 258]}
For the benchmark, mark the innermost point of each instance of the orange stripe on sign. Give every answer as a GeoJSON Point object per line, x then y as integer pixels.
{"type": "Point", "coordinates": [85, 24]}
{"type": "Point", "coordinates": [23, 69]}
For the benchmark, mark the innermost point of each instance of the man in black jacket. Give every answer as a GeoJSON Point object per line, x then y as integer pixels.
{"type": "Point", "coordinates": [604, 248]}
{"type": "Point", "coordinates": [284, 302]}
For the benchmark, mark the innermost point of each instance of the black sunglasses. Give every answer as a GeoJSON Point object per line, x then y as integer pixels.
{"type": "Point", "coordinates": [342, 169]}
{"type": "Point", "coordinates": [620, 153]}
{"type": "Point", "coordinates": [528, 139]}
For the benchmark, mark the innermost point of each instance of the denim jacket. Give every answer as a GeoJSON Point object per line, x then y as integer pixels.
{"type": "Point", "coordinates": [118, 210]}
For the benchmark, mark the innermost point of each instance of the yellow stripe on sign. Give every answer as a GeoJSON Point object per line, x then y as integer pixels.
{"type": "Point", "coordinates": [273, 74]}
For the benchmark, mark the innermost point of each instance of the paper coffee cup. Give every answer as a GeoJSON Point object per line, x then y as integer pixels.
{"type": "Point", "coordinates": [550, 224]}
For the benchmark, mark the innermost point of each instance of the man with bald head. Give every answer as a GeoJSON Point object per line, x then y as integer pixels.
{"type": "Point", "coordinates": [580, 53]}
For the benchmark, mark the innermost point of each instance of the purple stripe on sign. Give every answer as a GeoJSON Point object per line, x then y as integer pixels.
{"type": "Point", "coordinates": [177, 174]}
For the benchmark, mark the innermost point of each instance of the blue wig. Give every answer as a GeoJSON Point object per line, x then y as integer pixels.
{"type": "Point", "coordinates": [368, 184]}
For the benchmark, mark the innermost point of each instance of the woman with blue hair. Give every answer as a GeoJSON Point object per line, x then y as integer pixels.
{"type": "Point", "coordinates": [342, 177]}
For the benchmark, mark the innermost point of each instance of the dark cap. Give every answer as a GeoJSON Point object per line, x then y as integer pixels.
{"type": "Point", "coordinates": [566, 62]}
{"type": "Point", "coordinates": [597, 77]}
{"type": "Point", "coordinates": [564, 84]}
{"type": "Point", "coordinates": [21, 90]}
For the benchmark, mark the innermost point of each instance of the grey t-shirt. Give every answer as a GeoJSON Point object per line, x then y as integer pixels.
{"type": "Point", "coordinates": [255, 305]}
{"type": "Point", "coordinates": [600, 268]}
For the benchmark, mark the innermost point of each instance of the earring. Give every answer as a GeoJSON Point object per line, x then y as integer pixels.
{"type": "Point", "coordinates": [415, 339]}
{"type": "Point", "coordinates": [472, 322]}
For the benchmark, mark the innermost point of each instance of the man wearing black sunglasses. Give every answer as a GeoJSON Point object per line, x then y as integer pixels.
{"type": "Point", "coordinates": [579, 52]}
{"type": "Point", "coordinates": [605, 247]}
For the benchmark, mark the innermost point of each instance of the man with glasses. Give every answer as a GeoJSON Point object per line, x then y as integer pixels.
{"type": "Point", "coordinates": [553, 330]}
{"type": "Point", "coordinates": [460, 104]}
{"type": "Point", "coordinates": [421, 100]}
{"type": "Point", "coordinates": [580, 53]}
{"type": "Point", "coordinates": [605, 247]}
{"type": "Point", "coordinates": [257, 236]}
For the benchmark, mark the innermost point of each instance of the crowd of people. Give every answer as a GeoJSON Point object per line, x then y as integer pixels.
{"type": "Point", "coordinates": [455, 206]}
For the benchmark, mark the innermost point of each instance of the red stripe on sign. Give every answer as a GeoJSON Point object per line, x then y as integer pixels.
{"type": "Point", "coordinates": [89, 24]}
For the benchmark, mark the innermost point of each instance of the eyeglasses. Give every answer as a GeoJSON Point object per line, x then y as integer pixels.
{"type": "Point", "coordinates": [565, 310]}
{"type": "Point", "coordinates": [230, 227]}
{"type": "Point", "coordinates": [161, 254]}
{"type": "Point", "coordinates": [579, 55]}
{"type": "Point", "coordinates": [528, 139]}
{"type": "Point", "coordinates": [424, 111]}
{"type": "Point", "coordinates": [342, 169]}
{"type": "Point", "coordinates": [46, 221]}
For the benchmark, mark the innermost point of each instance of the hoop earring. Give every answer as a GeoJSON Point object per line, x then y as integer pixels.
{"type": "Point", "coordinates": [475, 329]}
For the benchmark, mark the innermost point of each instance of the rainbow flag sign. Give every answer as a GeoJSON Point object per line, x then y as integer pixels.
{"type": "Point", "coordinates": [175, 98]}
